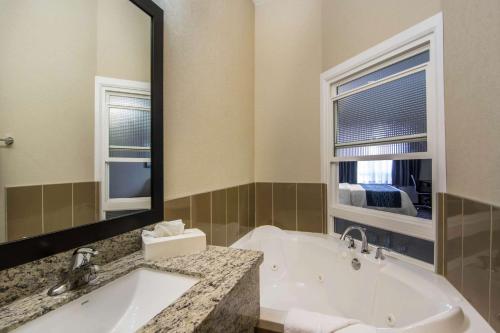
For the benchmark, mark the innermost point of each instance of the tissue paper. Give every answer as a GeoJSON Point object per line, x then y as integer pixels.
{"type": "Point", "coordinates": [165, 229]}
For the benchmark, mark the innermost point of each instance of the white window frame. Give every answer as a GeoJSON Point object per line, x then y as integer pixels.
{"type": "Point", "coordinates": [427, 34]}
{"type": "Point", "coordinates": [103, 86]}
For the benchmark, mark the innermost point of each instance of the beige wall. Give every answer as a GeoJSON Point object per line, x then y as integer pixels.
{"type": "Point", "coordinates": [286, 104]}
{"type": "Point", "coordinates": [472, 86]}
{"type": "Point", "coordinates": [351, 27]}
{"type": "Point", "coordinates": [295, 40]}
{"type": "Point", "coordinates": [123, 41]}
{"type": "Point", "coordinates": [209, 61]}
{"type": "Point", "coordinates": [287, 68]}
{"type": "Point", "coordinates": [46, 95]}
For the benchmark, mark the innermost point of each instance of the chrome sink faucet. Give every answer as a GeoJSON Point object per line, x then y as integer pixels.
{"type": "Point", "coordinates": [81, 272]}
{"type": "Point", "coordinates": [364, 241]}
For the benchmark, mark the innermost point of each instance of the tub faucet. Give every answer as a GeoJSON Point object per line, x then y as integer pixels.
{"type": "Point", "coordinates": [364, 241]}
{"type": "Point", "coordinates": [81, 272]}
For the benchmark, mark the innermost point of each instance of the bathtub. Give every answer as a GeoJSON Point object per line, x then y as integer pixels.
{"type": "Point", "coordinates": [314, 272]}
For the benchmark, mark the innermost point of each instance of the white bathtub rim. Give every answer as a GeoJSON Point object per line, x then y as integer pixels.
{"type": "Point", "coordinates": [274, 320]}
{"type": "Point", "coordinates": [335, 236]}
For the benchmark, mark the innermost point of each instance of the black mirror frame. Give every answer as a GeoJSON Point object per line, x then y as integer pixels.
{"type": "Point", "coordinates": [37, 247]}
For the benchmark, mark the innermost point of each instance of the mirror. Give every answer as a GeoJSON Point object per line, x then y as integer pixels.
{"type": "Point", "coordinates": [75, 97]}
{"type": "Point", "coordinates": [395, 186]}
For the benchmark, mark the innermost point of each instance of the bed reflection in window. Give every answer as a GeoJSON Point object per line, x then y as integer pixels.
{"type": "Point", "coordinates": [399, 186]}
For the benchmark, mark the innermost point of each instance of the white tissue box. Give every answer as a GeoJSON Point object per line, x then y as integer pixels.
{"type": "Point", "coordinates": [191, 241]}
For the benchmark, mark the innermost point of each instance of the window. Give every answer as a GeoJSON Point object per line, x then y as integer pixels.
{"type": "Point", "coordinates": [382, 134]}
{"type": "Point", "coordinates": [123, 145]}
{"type": "Point", "coordinates": [374, 172]}
{"type": "Point", "coordinates": [385, 116]}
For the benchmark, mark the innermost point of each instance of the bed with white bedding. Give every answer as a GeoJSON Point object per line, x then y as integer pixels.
{"type": "Point", "coordinates": [356, 195]}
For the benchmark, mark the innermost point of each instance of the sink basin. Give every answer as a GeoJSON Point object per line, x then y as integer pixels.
{"type": "Point", "coordinates": [123, 305]}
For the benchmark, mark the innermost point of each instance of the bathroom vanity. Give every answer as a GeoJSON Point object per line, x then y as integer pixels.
{"type": "Point", "coordinates": [216, 290]}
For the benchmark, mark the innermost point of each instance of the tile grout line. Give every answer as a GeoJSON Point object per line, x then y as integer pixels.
{"type": "Point", "coordinates": [225, 224]}
{"type": "Point", "coordinates": [443, 216]}
{"type": "Point", "coordinates": [97, 207]}
{"type": "Point", "coordinates": [6, 214]}
{"type": "Point", "coordinates": [322, 209]}
{"type": "Point", "coordinates": [211, 219]}
{"type": "Point", "coordinates": [43, 219]}
{"type": "Point", "coordinates": [325, 208]}
{"type": "Point", "coordinates": [95, 201]}
{"type": "Point", "coordinates": [254, 210]}
{"type": "Point", "coordinates": [191, 211]}
{"type": "Point", "coordinates": [248, 208]}
{"type": "Point", "coordinates": [238, 212]}
{"type": "Point", "coordinates": [272, 203]}
{"type": "Point", "coordinates": [72, 206]}
{"type": "Point", "coordinates": [296, 209]}
{"type": "Point", "coordinates": [254, 205]}
{"type": "Point", "coordinates": [491, 262]}
{"type": "Point", "coordinates": [462, 246]}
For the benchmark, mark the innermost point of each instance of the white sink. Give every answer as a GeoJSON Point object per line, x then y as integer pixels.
{"type": "Point", "coordinates": [123, 305]}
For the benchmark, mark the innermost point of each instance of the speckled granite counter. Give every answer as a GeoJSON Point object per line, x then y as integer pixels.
{"type": "Point", "coordinates": [226, 299]}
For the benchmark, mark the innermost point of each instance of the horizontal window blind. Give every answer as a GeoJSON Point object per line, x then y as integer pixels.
{"type": "Point", "coordinates": [395, 68]}
{"type": "Point", "coordinates": [131, 102]}
{"type": "Point", "coordinates": [385, 149]}
{"type": "Point", "coordinates": [129, 126]}
{"type": "Point", "coordinates": [386, 119]}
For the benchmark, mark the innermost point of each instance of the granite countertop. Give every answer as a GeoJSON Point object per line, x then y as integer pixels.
{"type": "Point", "coordinates": [218, 268]}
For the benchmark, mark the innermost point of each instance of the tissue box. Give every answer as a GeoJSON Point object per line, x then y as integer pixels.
{"type": "Point", "coordinates": [191, 241]}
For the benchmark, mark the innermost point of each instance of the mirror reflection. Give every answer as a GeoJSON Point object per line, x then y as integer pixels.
{"type": "Point", "coordinates": [75, 99]}
{"type": "Point", "coordinates": [395, 186]}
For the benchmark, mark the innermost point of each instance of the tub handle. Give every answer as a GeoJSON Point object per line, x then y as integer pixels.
{"type": "Point", "coordinates": [379, 254]}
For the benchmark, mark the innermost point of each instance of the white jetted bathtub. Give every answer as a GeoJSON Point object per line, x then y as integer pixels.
{"type": "Point", "coordinates": [314, 272]}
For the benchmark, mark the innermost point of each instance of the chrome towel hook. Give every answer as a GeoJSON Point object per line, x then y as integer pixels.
{"type": "Point", "coordinates": [8, 140]}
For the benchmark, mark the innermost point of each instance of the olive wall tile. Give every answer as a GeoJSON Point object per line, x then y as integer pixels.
{"type": "Point", "coordinates": [476, 255]}
{"type": "Point", "coordinates": [178, 209]}
{"type": "Point", "coordinates": [309, 207]}
{"type": "Point", "coordinates": [232, 228]}
{"type": "Point", "coordinates": [24, 211]}
{"type": "Point", "coordinates": [263, 204]}
{"type": "Point", "coordinates": [324, 200]}
{"type": "Point", "coordinates": [97, 215]}
{"type": "Point", "coordinates": [84, 203]}
{"type": "Point", "coordinates": [57, 207]}
{"type": "Point", "coordinates": [453, 240]}
{"type": "Point", "coordinates": [201, 210]}
{"type": "Point", "coordinates": [495, 272]}
{"type": "Point", "coordinates": [285, 205]}
{"type": "Point", "coordinates": [234, 211]}
{"type": "Point", "coordinates": [219, 222]}
{"type": "Point", "coordinates": [244, 209]}
{"type": "Point", "coordinates": [252, 208]}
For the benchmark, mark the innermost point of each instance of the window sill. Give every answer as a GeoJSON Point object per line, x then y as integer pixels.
{"type": "Point", "coordinates": [407, 225]}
